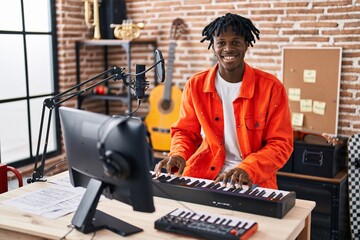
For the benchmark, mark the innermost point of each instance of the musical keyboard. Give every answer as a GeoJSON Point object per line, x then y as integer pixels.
{"type": "Point", "coordinates": [257, 200]}
{"type": "Point", "coordinates": [206, 225]}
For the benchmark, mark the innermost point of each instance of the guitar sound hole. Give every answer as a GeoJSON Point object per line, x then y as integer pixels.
{"type": "Point", "coordinates": [165, 105]}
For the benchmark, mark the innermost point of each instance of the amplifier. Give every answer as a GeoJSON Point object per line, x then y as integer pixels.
{"type": "Point", "coordinates": [320, 159]}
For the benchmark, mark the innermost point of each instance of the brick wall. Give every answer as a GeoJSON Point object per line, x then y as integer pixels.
{"type": "Point", "coordinates": [316, 23]}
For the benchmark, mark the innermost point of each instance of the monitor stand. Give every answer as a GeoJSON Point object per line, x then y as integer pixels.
{"type": "Point", "coordinates": [88, 219]}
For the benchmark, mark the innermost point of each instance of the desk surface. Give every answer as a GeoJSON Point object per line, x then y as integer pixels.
{"type": "Point", "coordinates": [16, 223]}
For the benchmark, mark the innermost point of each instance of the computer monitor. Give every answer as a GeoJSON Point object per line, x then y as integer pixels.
{"type": "Point", "coordinates": [109, 156]}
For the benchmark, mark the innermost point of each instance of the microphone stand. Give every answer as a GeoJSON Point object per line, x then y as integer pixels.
{"type": "Point", "coordinates": [50, 103]}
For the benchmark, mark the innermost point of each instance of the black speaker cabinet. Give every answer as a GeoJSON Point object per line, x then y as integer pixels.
{"type": "Point", "coordinates": [111, 12]}
{"type": "Point", "coordinates": [330, 217]}
{"type": "Point", "coordinates": [323, 160]}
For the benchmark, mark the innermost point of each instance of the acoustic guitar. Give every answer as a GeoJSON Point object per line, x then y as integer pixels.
{"type": "Point", "coordinates": [165, 98]}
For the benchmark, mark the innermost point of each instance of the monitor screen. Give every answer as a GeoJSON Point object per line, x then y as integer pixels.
{"type": "Point", "coordinates": [109, 156]}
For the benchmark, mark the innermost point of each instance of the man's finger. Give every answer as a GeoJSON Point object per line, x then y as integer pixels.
{"type": "Point", "coordinates": [181, 169]}
{"type": "Point", "coordinates": [217, 179]}
{"type": "Point", "coordinates": [157, 169]}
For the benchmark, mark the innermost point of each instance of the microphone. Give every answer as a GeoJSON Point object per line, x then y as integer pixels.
{"type": "Point", "coordinates": [140, 83]}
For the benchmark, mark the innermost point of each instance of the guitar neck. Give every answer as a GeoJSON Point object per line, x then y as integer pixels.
{"type": "Point", "coordinates": [169, 70]}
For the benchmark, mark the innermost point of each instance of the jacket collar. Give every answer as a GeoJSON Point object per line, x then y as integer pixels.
{"type": "Point", "coordinates": [248, 82]}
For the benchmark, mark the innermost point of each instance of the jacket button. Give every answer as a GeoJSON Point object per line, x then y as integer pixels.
{"type": "Point", "coordinates": [212, 168]}
{"type": "Point", "coordinates": [216, 119]}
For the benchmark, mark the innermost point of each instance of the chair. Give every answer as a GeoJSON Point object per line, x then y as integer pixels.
{"type": "Point", "coordinates": [354, 181]}
{"type": "Point", "coordinates": [4, 177]}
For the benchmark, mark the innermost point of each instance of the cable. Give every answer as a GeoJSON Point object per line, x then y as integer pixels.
{"type": "Point", "coordinates": [51, 167]}
{"type": "Point", "coordinates": [71, 229]}
{"type": "Point", "coordinates": [171, 197]}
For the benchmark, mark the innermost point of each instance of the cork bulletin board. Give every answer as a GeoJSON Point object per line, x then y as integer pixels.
{"type": "Point", "coordinates": [311, 77]}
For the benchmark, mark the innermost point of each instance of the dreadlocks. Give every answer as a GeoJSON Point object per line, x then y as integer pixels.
{"type": "Point", "coordinates": [240, 25]}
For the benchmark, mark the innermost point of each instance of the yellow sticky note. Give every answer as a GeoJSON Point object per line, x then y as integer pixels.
{"type": "Point", "coordinates": [294, 94]}
{"type": "Point", "coordinates": [319, 107]}
{"type": "Point", "coordinates": [297, 119]}
{"type": "Point", "coordinates": [309, 76]}
{"type": "Point", "coordinates": [306, 105]}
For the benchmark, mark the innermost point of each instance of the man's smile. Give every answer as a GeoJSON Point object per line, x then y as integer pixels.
{"type": "Point", "coordinates": [229, 57]}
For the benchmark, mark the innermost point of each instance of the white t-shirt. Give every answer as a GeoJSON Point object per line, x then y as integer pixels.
{"type": "Point", "coordinates": [228, 92]}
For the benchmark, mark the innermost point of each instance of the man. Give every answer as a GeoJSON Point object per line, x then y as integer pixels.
{"type": "Point", "coordinates": [234, 125]}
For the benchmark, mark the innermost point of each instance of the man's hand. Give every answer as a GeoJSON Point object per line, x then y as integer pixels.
{"type": "Point", "coordinates": [170, 162]}
{"type": "Point", "coordinates": [237, 176]}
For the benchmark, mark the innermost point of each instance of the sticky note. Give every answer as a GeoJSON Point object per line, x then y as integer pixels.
{"type": "Point", "coordinates": [309, 76]}
{"type": "Point", "coordinates": [319, 107]}
{"type": "Point", "coordinates": [297, 119]}
{"type": "Point", "coordinates": [306, 105]}
{"type": "Point", "coordinates": [294, 94]}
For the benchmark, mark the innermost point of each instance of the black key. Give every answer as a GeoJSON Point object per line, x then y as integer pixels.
{"type": "Point", "coordinates": [210, 185]}
{"type": "Point", "coordinates": [175, 180]}
{"type": "Point", "coordinates": [163, 178]}
{"type": "Point", "coordinates": [271, 195]}
{"type": "Point", "coordinates": [231, 189]}
{"type": "Point", "coordinates": [218, 185]}
{"type": "Point", "coordinates": [194, 184]}
{"type": "Point", "coordinates": [279, 196]}
{"type": "Point", "coordinates": [201, 184]}
{"type": "Point", "coordinates": [238, 190]}
{"type": "Point", "coordinates": [261, 193]}
{"type": "Point", "coordinates": [255, 192]}
{"type": "Point", "coordinates": [228, 222]}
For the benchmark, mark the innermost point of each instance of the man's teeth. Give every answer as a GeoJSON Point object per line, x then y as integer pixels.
{"type": "Point", "coordinates": [229, 57]}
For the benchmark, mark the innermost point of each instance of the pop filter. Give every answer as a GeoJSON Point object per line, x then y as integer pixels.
{"type": "Point", "coordinates": [160, 68]}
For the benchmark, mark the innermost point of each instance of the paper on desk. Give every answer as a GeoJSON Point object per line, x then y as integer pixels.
{"type": "Point", "coordinates": [63, 181]}
{"type": "Point", "coordinates": [51, 202]}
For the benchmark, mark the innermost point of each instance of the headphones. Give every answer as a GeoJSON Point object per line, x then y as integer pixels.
{"type": "Point", "coordinates": [114, 164]}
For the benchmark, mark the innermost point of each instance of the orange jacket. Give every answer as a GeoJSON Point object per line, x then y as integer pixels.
{"type": "Point", "coordinates": [263, 121]}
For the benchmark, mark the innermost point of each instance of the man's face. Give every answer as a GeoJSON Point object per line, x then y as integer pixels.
{"type": "Point", "coordinates": [230, 51]}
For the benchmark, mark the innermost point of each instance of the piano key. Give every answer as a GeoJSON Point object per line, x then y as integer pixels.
{"type": "Point", "coordinates": [254, 192]}
{"type": "Point", "coordinates": [279, 196]}
{"type": "Point", "coordinates": [222, 221]}
{"type": "Point", "coordinates": [212, 219]}
{"type": "Point", "coordinates": [261, 193]}
{"type": "Point", "coordinates": [271, 195]}
{"type": "Point", "coordinates": [232, 222]}
{"type": "Point", "coordinates": [227, 223]}
{"type": "Point", "coordinates": [194, 183]}
{"type": "Point", "coordinates": [210, 185]}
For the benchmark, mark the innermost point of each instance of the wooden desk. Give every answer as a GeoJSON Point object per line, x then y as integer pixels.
{"type": "Point", "coordinates": [16, 224]}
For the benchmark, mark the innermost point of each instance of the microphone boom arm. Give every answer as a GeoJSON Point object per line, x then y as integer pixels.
{"type": "Point", "coordinates": [51, 103]}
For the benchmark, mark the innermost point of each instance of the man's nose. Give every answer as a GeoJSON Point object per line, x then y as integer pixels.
{"type": "Point", "coordinates": [228, 46]}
